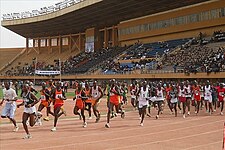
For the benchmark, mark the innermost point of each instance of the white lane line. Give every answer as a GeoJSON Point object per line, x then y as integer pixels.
{"type": "Point", "coordinates": [136, 136]}
{"type": "Point", "coordinates": [160, 141]}
{"type": "Point", "coordinates": [203, 145]}
{"type": "Point", "coordinates": [119, 131]}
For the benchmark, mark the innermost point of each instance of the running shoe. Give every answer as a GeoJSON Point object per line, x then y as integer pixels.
{"type": "Point", "coordinates": [189, 113]}
{"type": "Point", "coordinates": [98, 118]}
{"type": "Point", "coordinates": [28, 136]}
{"type": "Point", "coordinates": [38, 122]}
{"type": "Point", "coordinates": [184, 116]}
{"type": "Point", "coordinates": [141, 124]}
{"type": "Point", "coordinates": [46, 119]}
{"type": "Point", "coordinates": [64, 112]}
{"type": "Point", "coordinates": [149, 115]}
{"type": "Point", "coordinates": [122, 114]}
{"type": "Point", "coordinates": [107, 125]}
{"type": "Point", "coordinates": [39, 114]}
{"type": "Point", "coordinates": [53, 129]}
{"type": "Point", "coordinates": [85, 124]}
{"type": "Point", "coordinates": [221, 113]}
{"type": "Point", "coordinates": [157, 116]}
{"type": "Point", "coordinates": [16, 128]}
{"type": "Point", "coordinates": [112, 116]}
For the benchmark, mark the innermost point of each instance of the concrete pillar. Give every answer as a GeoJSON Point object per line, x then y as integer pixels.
{"type": "Point", "coordinates": [60, 44]}
{"type": "Point", "coordinates": [27, 45]}
{"type": "Point", "coordinates": [80, 42]}
{"type": "Point", "coordinates": [70, 43]}
{"type": "Point", "coordinates": [39, 45]}
{"type": "Point", "coordinates": [106, 38]}
{"type": "Point", "coordinates": [49, 45]}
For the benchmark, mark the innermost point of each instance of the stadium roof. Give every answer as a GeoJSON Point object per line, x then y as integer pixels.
{"type": "Point", "coordinates": [90, 13]}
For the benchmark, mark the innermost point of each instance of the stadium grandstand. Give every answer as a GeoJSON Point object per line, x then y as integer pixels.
{"type": "Point", "coordinates": [119, 38]}
{"type": "Point", "coordinates": [151, 73]}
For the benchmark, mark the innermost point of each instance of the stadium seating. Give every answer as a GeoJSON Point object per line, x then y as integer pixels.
{"type": "Point", "coordinates": [24, 65]}
{"type": "Point", "coordinates": [9, 54]}
{"type": "Point", "coordinates": [96, 58]}
{"type": "Point", "coordinates": [198, 58]}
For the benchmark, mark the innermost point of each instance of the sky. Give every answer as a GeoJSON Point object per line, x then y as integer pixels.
{"type": "Point", "coordinates": [10, 39]}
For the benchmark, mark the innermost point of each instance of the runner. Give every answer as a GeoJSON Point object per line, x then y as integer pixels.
{"type": "Point", "coordinates": [143, 96]}
{"type": "Point", "coordinates": [159, 99]}
{"type": "Point", "coordinates": [59, 97]}
{"type": "Point", "coordinates": [96, 95]}
{"type": "Point", "coordinates": [214, 97]}
{"type": "Point", "coordinates": [45, 94]}
{"type": "Point", "coordinates": [221, 97]}
{"type": "Point", "coordinates": [10, 96]}
{"type": "Point", "coordinates": [173, 93]}
{"type": "Point", "coordinates": [51, 89]}
{"type": "Point", "coordinates": [29, 101]}
{"type": "Point", "coordinates": [88, 102]}
{"type": "Point", "coordinates": [133, 91]}
{"type": "Point", "coordinates": [80, 103]}
{"type": "Point", "coordinates": [188, 96]}
{"type": "Point", "coordinates": [114, 101]}
{"type": "Point", "coordinates": [208, 97]}
{"type": "Point", "coordinates": [124, 93]}
{"type": "Point", "coordinates": [182, 98]}
{"type": "Point", "coordinates": [168, 98]}
{"type": "Point", "coordinates": [197, 97]}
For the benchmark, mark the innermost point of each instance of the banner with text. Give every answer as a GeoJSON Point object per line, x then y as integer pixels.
{"type": "Point", "coordinates": [42, 72]}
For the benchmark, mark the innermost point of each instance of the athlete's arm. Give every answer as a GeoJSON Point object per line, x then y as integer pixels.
{"type": "Point", "coordinates": [75, 95]}
{"type": "Point", "coordinates": [64, 96]}
{"type": "Point", "coordinates": [138, 92]}
{"type": "Point", "coordinates": [20, 104]}
{"type": "Point", "coordinates": [100, 90]}
{"type": "Point", "coordinates": [2, 102]}
{"type": "Point", "coordinates": [47, 92]}
{"type": "Point", "coordinates": [36, 100]}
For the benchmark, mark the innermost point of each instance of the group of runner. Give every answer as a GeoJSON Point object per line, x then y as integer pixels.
{"type": "Point", "coordinates": [144, 96]}
{"type": "Point", "coordinates": [177, 96]}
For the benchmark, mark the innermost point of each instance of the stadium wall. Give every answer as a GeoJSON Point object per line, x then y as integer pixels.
{"type": "Point", "coordinates": [156, 76]}
{"type": "Point", "coordinates": [183, 22]}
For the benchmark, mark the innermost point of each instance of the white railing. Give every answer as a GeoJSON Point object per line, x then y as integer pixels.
{"type": "Point", "coordinates": [42, 11]}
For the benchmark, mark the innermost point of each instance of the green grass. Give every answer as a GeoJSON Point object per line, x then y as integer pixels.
{"type": "Point", "coordinates": [68, 95]}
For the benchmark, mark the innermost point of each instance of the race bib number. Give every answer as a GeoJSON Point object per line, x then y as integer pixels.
{"type": "Point", "coordinates": [78, 96]}
{"type": "Point", "coordinates": [221, 94]}
{"type": "Point", "coordinates": [95, 95]}
{"type": "Point", "coordinates": [133, 96]}
{"type": "Point", "coordinates": [43, 97]}
{"type": "Point", "coordinates": [58, 95]}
